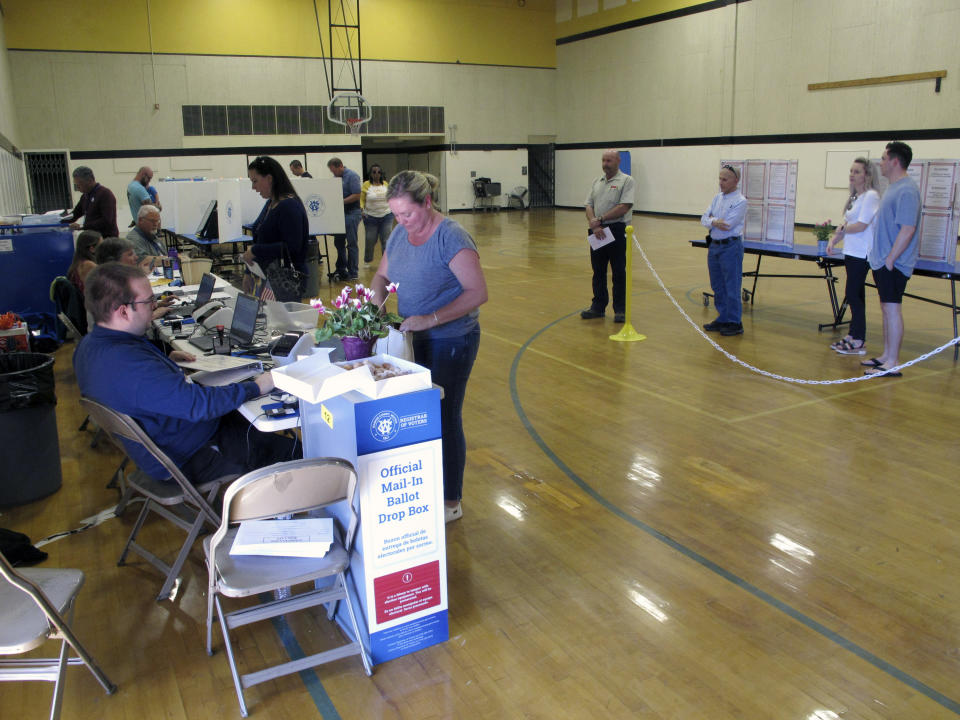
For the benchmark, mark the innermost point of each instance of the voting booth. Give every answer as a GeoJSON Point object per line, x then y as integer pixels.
{"type": "Point", "coordinates": [390, 430]}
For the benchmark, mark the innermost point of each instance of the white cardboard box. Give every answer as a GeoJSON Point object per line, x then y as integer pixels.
{"type": "Point", "coordinates": [315, 378]}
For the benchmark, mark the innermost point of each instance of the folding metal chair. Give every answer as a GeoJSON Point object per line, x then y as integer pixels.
{"type": "Point", "coordinates": [32, 605]}
{"type": "Point", "coordinates": [284, 489]}
{"type": "Point", "coordinates": [184, 504]}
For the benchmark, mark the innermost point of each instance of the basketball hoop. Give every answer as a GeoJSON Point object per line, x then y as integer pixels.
{"type": "Point", "coordinates": [354, 124]}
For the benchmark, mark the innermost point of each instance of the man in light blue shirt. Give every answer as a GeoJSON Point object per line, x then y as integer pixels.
{"type": "Point", "coordinates": [894, 251]}
{"type": "Point", "coordinates": [137, 193]}
{"type": "Point", "coordinates": [725, 218]}
{"type": "Point", "coordinates": [348, 253]}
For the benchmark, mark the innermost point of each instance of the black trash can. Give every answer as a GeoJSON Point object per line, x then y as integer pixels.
{"type": "Point", "coordinates": [28, 428]}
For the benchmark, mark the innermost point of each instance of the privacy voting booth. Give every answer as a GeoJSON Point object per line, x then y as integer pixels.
{"type": "Point", "coordinates": [390, 430]}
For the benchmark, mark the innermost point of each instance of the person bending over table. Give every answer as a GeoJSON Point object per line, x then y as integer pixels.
{"type": "Point", "coordinates": [281, 231]}
{"type": "Point", "coordinates": [377, 218]}
{"type": "Point", "coordinates": [194, 425]}
{"type": "Point", "coordinates": [856, 234]}
{"type": "Point", "coordinates": [725, 218]}
{"type": "Point", "coordinates": [440, 287]}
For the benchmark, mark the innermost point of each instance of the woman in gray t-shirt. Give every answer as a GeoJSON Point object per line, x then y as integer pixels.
{"type": "Point", "coordinates": [436, 266]}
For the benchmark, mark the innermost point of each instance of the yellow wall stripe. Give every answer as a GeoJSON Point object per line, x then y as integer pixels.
{"type": "Point", "coordinates": [495, 33]}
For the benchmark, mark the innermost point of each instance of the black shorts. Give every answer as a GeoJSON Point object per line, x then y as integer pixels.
{"type": "Point", "coordinates": [890, 284]}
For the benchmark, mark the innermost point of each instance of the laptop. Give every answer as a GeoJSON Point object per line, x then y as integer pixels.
{"type": "Point", "coordinates": [203, 296]}
{"type": "Point", "coordinates": [241, 328]}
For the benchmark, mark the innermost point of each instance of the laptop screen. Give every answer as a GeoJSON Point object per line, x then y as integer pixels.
{"type": "Point", "coordinates": [205, 291]}
{"type": "Point", "coordinates": [244, 319]}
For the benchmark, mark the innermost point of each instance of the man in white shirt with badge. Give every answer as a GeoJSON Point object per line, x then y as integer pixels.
{"type": "Point", "coordinates": [609, 206]}
{"type": "Point", "coordinates": [725, 218]}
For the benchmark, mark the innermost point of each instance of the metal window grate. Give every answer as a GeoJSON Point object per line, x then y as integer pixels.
{"type": "Point", "coordinates": [311, 119]}
{"type": "Point", "coordinates": [306, 120]}
{"type": "Point", "coordinates": [192, 120]}
{"type": "Point", "coordinates": [214, 119]}
{"type": "Point", "coordinates": [288, 120]}
{"type": "Point", "coordinates": [264, 120]}
{"type": "Point", "coordinates": [49, 178]}
{"type": "Point", "coordinates": [239, 120]}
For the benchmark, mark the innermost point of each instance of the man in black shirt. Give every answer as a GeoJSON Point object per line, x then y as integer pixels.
{"type": "Point", "coordinates": [97, 206]}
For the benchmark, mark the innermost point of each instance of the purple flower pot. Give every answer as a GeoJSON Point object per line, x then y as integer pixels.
{"type": "Point", "coordinates": [355, 348]}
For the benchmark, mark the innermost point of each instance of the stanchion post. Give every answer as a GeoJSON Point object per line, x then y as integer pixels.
{"type": "Point", "coordinates": [627, 333]}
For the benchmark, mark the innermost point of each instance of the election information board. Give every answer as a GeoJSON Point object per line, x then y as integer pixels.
{"type": "Point", "coordinates": [770, 187]}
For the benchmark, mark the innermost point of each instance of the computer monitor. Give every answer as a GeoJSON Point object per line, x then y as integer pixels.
{"type": "Point", "coordinates": [205, 291]}
{"type": "Point", "coordinates": [209, 226]}
{"type": "Point", "coordinates": [244, 319]}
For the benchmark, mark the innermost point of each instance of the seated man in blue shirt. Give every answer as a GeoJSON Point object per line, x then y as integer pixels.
{"type": "Point", "coordinates": [194, 425]}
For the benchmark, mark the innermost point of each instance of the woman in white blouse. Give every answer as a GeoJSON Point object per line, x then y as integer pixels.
{"type": "Point", "coordinates": [377, 218]}
{"type": "Point", "coordinates": [856, 234]}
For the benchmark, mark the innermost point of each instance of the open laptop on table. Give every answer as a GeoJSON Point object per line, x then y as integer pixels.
{"type": "Point", "coordinates": [204, 293]}
{"type": "Point", "coordinates": [241, 328]}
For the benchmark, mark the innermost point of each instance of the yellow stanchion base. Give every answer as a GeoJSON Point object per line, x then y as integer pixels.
{"type": "Point", "coordinates": [628, 334]}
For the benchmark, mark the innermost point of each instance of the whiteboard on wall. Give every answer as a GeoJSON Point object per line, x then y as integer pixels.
{"type": "Point", "coordinates": [837, 173]}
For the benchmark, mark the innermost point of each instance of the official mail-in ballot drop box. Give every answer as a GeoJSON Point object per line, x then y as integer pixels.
{"type": "Point", "coordinates": [399, 564]}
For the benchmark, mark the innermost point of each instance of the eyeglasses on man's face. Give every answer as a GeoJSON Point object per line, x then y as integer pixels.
{"type": "Point", "coordinates": [133, 303]}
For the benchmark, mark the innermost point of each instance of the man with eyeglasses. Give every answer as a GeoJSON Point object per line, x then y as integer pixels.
{"type": "Point", "coordinates": [725, 218]}
{"type": "Point", "coordinates": [116, 365]}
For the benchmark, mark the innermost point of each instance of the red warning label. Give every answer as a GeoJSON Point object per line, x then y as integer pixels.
{"type": "Point", "coordinates": [407, 591]}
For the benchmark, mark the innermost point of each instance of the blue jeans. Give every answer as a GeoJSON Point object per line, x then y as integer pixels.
{"type": "Point", "coordinates": [348, 263]}
{"type": "Point", "coordinates": [450, 361]}
{"type": "Point", "coordinates": [376, 228]}
{"type": "Point", "coordinates": [725, 263]}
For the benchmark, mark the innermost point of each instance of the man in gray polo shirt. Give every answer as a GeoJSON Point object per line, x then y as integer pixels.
{"type": "Point", "coordinates": [609, 206]}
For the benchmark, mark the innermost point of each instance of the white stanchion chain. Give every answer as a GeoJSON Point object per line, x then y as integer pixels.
{"type": "Point", "coordinates": [751, 368]}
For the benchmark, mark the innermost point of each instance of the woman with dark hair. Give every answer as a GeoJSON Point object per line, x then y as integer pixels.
{"type": "Point", "coordinates": [281, 230]}
{"type": "Point", "coordinates": [83, 258]}
{"type": "Point", "coordinates": [377, 218]}
{"type": "Point", "coordinates": [436, 266]}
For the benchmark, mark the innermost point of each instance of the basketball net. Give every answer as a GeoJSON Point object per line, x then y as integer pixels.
{"type": "Point", "coordinates": [354, 125]}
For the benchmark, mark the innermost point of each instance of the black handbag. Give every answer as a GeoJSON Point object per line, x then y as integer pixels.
{"type": "Point", "coordinates": [285, 280]}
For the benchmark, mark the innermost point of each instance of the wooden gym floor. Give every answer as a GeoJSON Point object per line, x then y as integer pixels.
{"type": "Point", "coordinates": [649, 529]}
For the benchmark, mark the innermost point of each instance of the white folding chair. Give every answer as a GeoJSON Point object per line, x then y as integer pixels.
{"type": "Point", "coordinates": [280, 490]}
{"type": "Point", "coordinates": [184, 504]}
{"type": "Point", "coordinates": [33, 602]}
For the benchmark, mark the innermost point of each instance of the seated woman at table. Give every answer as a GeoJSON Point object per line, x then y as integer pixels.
{"type": "Point", "coordinates": [856, 234]}
{"type": "Point", "coordinates": [280, 232]}
{"type": "Point", "coordinates": [440, 287]}
{"type": "Point", "coordinates": [84, 258]}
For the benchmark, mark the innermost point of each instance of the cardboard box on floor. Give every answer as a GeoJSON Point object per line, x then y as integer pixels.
{"type": "Point", "coordinates": [315, 378]}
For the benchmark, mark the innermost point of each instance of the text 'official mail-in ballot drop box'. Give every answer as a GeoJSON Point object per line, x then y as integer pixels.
{"type": "Point", "coordinates": [389, 427]}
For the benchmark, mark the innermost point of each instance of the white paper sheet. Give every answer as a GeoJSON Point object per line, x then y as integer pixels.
{"type": "Point", "coordinates": [596, 243]}
{"type": "Point", "coordinates": [302, 537]}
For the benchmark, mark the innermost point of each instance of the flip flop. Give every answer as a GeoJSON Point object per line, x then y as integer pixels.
{"type": "Point", "coordinates": [880, 370]}
{"type": "Point", "coordinates": [872, 362]}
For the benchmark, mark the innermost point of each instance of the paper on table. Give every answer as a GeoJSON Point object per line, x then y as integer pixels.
{"type": "Point", "coordinates": [596, 243]}
{"type": "Point", "coordinates": [211, 363]}
{"type": "Point", "coordinates": [302, 537]}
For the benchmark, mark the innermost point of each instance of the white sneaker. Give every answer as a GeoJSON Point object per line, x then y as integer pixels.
{"type": "Point", "coordinates": [452, 513]}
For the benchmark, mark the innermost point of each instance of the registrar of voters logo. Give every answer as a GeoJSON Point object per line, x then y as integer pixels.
{"type": "Point", "coordinates": [385, 426]}
{"type": "Point", "coordinates": [315, 205]}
